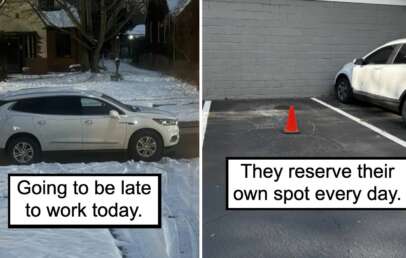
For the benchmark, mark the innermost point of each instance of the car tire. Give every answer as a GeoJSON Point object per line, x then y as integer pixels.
{"type": "Point", "coordinates": [403, 112]}
{"type": "Point", "coordinates": [343, 90]}
{"type": "Point", "coordinates": [24, 151]}
{"type": "Point", "coordinates": [146, 145]}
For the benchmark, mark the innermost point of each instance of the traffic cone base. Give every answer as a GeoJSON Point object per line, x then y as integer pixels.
{"type": "Point", "coordinates": [291, 125]}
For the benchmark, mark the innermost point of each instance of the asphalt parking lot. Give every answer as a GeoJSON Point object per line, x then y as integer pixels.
{"type": "Point", "coordinates": [254, 129]}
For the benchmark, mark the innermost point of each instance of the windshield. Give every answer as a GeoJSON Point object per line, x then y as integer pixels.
{"type": "Point", "coordinates": [120, 104]}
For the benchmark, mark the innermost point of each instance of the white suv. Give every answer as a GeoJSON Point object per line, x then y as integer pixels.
{"type": "Point", "coordinates": [54, 119]}
{"type": "Point", "coordinates": [379, 77]}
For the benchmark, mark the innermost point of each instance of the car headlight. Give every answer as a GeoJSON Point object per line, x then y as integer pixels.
{"type": "Point", "coordinates": [166, 122]}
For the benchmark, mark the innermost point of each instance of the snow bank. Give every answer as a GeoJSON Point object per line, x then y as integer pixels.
{"type": "Point", "coordinates": [56, 243]}
{"type": "Point", "coordinates": [139, 87]}
{"type": "Point", "coordinates": [177, 238]}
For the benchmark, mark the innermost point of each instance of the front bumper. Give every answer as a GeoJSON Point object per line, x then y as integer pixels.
{"type": "Point", "coordinates": [171, 136]}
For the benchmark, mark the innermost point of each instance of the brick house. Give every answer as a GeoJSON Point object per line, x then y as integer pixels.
{"type": "Point", "coordinates": [172, 37]}
{"type": "Point", "coordinates": [28, 44]}
{"type": "Point", "coordinates": [290, 48]}
{"type": "Point", "coordinates": [172, 29]}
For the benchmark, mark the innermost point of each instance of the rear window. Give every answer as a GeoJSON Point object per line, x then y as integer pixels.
{"type": "Point", "coordinates": [2, 103]}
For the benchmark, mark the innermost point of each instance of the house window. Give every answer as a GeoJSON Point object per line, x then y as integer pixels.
{"type": "Point", "coordinates": [30, 46]}
{"type": "Point", "coordinates": [63, 45]}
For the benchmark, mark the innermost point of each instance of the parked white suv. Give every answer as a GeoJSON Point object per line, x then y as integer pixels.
{"type": "Point", "coordinates": [54, 119]}
{"type": "Point", "coordinates": [379, 77]}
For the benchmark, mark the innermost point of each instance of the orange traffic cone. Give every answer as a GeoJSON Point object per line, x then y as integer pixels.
{"type": "Point", "coordinates": [291, 125]}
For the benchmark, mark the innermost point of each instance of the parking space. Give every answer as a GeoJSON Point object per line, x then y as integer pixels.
{"type": "Point", "coordinates": [254, 129]}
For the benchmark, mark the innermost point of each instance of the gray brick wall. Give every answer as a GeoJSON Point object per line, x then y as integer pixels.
{"type": "Point", "coordinates": [288, 48]}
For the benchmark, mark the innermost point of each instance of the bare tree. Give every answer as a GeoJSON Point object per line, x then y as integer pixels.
{"type": "Point", "coordinates": [96, 22]}
{"type": "Point", "coordinates": [3, 63]}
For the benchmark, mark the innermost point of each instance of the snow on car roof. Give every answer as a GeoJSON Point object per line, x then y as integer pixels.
{"type": "Point", "coordinates": [46, 92]}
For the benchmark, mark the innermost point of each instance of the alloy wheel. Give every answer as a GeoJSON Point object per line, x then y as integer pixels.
{"type": "Point", "coordinates": [146, 146]}
{"type": "Point", "coordinates": [23, 152]}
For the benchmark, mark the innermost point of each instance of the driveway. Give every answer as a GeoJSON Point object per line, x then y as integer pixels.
{"type": "Point", "coordinates": [254, 129]}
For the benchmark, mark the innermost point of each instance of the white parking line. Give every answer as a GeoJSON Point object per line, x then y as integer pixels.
{"type": "Point", "coordinates": [205, 116]}
{"type": "Point", "coordinates": [362, 122]}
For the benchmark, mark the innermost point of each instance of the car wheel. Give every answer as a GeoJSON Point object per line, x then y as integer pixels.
{"type": "Point", "coordinates": [24, 151]}
{"type": "Point", "coordinates": [146, 145]}
{"type": "Point", "coordinates": [343, 90]}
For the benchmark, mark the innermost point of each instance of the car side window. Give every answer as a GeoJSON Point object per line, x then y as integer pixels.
{"type": "Point", "coordinates": [33, 106]}
{"type": "Point", "coordinates": [381, 56]}
{"type": "Point", "coordinates": [94, 107]}
{"type": "Point", "coordinates": [401, 57]}
{"type": "Point", "coordinates": [69, 106]}
{"type": "Point", "coordinates": [60, 105]}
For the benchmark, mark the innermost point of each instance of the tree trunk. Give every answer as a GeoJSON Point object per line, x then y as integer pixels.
{"type": "Point", "coordinates": [3, 71]}
{"type": "Point", "coordinates": [95, 59]}
{"type": "Point", "coordinates": [3, 62]}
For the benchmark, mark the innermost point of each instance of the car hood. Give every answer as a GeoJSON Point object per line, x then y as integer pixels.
{"type": "Point", "coordinates": [153, 112]}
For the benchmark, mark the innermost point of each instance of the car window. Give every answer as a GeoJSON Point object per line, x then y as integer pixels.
{"type": "Point", "coordinates": [401, 57]}
{"type": "Point", "coordinates": [381, 56]}
{"type": "Point", "coordinates": [95, 107]}
{"type": "Point", "coordinates": [3, 103]}
{"type": "Point", "coordinates": [61, 105]}
{"type": "Point", "coordinates": [28, 106]}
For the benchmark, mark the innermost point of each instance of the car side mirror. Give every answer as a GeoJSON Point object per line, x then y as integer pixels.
{"type": "Point", "coordinates": [114, 114]}
{"type": "Point", "coordinates": [359, 61]}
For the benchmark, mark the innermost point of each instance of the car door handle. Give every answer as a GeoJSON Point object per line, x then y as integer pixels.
{"type": "Point", "coordinates": [41, 122]}
{"type": "Point", "coordinates": [88, 122]}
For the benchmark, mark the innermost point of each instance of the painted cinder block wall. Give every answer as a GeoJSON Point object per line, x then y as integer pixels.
{"type": "Point", "coordinates": [288, 48]}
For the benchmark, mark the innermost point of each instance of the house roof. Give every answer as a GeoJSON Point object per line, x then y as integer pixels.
{"type": "Point", "coordinates": [177, 6]}
{"type": "Point", "coordinates": [58, 18]}
{"type": "Point", "coordinates": [138, 30]}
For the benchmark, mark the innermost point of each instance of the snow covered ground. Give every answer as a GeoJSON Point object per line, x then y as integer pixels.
{"type": "Point", "coordinates": [139, 87]}
{"type": "Point", "coordinates": [177, 238]}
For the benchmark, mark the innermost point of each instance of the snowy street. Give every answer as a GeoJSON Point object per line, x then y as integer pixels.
{"type": "Point", "coordinates": [178, 236]}
{"type": "Point", "coordinates": [139, 87]}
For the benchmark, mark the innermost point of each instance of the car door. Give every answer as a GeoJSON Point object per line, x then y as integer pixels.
{"type": "Point", "coordinates": [57, 121]}
{"type": "Point", "coordinates": [100, 130]}
{"type": "Point", "coordinates": [366, 78]}
{"type": "Point", "coordinates": [393, 76]}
